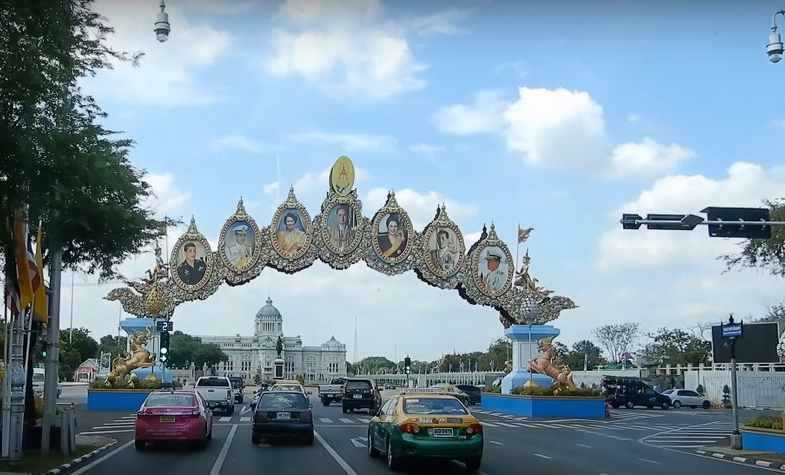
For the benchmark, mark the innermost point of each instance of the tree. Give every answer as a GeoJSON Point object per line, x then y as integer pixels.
{"type": "Point", "coordinates": [617, 338]}
{"type": "Point", "coordinates": [209, 354]}
{"type": "Point", "coordinates": [763, 253]}
{"type": "Point", "coordinates": [677, 347]}
{"type": "Point", "coordinates": [584, 351]}
{"type": "Point", "coordinates": [115, 345]}
{"type": "Point", "coordinates": [373, 364]}
{"type": "Point", "coordinates": [74, 353]}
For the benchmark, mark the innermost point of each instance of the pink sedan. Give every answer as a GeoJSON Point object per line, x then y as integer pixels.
{"type": "Point", "coordinates": [173, 416]}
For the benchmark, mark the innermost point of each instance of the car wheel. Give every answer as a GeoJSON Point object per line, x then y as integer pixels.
{"type": "Point", "coordinates": [139, 445]}
{"type": "Point", "coordinates": [665, 406]}
{"type": "Point", "coordinates": [629, 405]}
{"type": "Point", "coordinates": [393, 462]}
{"type": "Point", "coordinates": [615, 405]}
{"type": "Point", "coordinates": [255, 439]}
{"type": "Point", "coordinates": [677, 404]}
{"type": "Point", "coordinates": [706, 404]}
{"type": "Point", "coordinates": [473, 464]}
{"type": "Point", "coordinates": [372, 452]}
{"type": "Point", "coordinates": [345, 411]}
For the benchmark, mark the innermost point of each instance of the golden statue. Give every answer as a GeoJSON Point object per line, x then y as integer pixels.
{"type": "Point", "coordinates": [551, 365]}
{"type": "Point", "coordinates": [138, 357]}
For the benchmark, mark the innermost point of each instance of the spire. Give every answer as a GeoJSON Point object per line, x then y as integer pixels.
{"type": "Point", "coordinates": [240, 207]}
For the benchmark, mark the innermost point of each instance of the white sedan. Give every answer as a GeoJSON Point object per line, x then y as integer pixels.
{"type": "Point", "coordinates": [686, 397]}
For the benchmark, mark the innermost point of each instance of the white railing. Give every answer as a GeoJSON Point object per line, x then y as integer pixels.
{"type": "Point", "coordinates": [678, 369]}
{"type": "Point", "coordinates": [477, 378]}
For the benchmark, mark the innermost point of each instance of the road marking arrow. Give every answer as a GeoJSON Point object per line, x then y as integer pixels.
{"type": "Point", "coordinates": [357, 443]}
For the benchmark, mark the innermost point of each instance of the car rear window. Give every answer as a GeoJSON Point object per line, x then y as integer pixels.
{"type": "Point", "coordinates": [213, 382]}
{"type": "Point", "coordinates": [285, 387]}
{"type": "Point", "coordinates": [276, 401]}
{"type": "Point", "coordinates": [237, 383]}
{"type": "Point", "coordinates": [358, 385]}
{"type": "Point", "coordinates": [170, 400]}
{"type": "Point", "coordinates": [433, 406]}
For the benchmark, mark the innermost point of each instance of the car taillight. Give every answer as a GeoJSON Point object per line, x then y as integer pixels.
{"type": "Point", "coordinates": [229, 394]}
{"type": "Point", "coordinates": [474, 429]}
{"type": "Point", "coordinates": [410, 427]}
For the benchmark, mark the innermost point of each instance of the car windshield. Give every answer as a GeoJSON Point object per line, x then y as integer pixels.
{"type": "Point", "coordinates": [286, 387]}
{"type": "Point", "coordinates": [361, 385]}
{"type": "Point", "coordinates": [170, 400]}
{"type": "Point", "coordinates": [433, 406]}
{"type": "Point", "coordinates": [212, 382]}
{"type": "Point", "coordinates": [281, 400]}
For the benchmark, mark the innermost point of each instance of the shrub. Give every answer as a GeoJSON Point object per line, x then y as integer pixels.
{"type": "Point", "coordinates": [493, 389]}
{"type": "Point", "coordinates": [538, 391]}
{"type": "Point", "coordinates": [765, 422]}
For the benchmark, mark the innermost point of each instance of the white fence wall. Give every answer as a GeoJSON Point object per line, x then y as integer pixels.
{"type": "Point", "coordinates": [594, 377]}
{"type": "Point", "coordinates": [758, 389]}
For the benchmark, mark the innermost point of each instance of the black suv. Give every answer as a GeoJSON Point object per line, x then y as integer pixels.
{"type": "Point", "coordinates": [361, 394]}
{"type": "Point", "coordinates": [472, 391]}
{"type": "Point", "coordinates": [631, 392]}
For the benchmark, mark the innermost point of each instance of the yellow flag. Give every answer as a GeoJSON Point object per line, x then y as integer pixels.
{"type": "Point", "coordinates": [41, 309]}
{"type": "Point", "coordinates": [23, 274]}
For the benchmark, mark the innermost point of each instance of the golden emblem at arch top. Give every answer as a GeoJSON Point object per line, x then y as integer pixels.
{"type": "Point", "coordinates": [342, 175]}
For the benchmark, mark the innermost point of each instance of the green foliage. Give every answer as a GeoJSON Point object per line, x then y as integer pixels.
{"type": "Point", "coordinates": [209, 354]}
{"type": "Point", "coordinates": [540, 391]}
{"type": "Point", "coordinates": [74, 353]}
{"type": "Point", "coordinates": [493, 389]}
{"type": "Point", "coordinates": [374, 364]}
{"type": "Point", "coordinates": [676, 346]}
{"type": "Point", "coordinates": [764, 253]}
{"type": "Point", "coordinates": [765, 422]}
{"type": "Point", "coordinates": [185, 349]}
{"type": "Point", "coordinates": [115, 345]}
{"type": "Point", "coordinates": [57, 158]}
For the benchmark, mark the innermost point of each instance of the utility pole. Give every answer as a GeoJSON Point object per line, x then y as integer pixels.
{"type": "Point", "coordinates": [733, 331]}
{"type": "Point", "coordinates": [53, 347]}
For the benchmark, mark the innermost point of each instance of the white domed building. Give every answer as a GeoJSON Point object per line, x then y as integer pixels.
{"type": "Point", "coordinates": [254, 355]}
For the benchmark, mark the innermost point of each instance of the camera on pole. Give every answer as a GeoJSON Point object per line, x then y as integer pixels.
{"type": "Point", "coordinates": [750, 223]}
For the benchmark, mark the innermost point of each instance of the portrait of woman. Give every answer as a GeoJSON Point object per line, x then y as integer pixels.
{"type": "Point", "coordinates": [392, 236]}
{"type": "Point", "coordinates": [290, 235]}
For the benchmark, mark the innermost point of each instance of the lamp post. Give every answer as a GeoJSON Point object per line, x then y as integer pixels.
{"type": "Point", "coordinates": [162, 26]}
{"type": "Point", "coordinates": [774, 49]}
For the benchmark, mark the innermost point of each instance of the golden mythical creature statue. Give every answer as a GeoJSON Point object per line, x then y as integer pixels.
{"type": "Point", "coordinates": [551, 365]}
{"type": "Point", "coordinates": [138, 357]}
{"type": "Point", "coordinates": [147, 296]}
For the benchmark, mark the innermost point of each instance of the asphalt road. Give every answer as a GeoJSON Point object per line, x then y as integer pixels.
{"type": "Point", "coordinates": [635, 441]}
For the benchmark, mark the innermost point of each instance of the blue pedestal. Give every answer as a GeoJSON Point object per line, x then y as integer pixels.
{"type": "Point", "coordinates": [525, 340]}
{"type": "Point", "coordinates": [765, 441]}
{"type": "Point", "coordinates": [545, 406]}
{"type": "Point", "coordinates": [116, 399]}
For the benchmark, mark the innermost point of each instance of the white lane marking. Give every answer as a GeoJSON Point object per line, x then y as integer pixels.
{"type": "Point", "coordinates": [541, 456]}
{"type": "Point", "coordinates": [216, 470]}
{"type": "Point", "coordinates": [681, 441]}
{"type": "Point", "coordinates": [128, 417]}
{"type": "Point", "coordinates": [345, 420]}
{"type": "Point", "coordinates": [357, 443]}
{"type": "Point", "coordinates": [584, 446]}
{"type": "Point", "coordinates": [560, 426]}
{"type": "Point", "coordinates": [649, 461]}
{"type": "Point", "coordinates": [488, 424]}
{"type": "Point", "coordinates": [244, 410]}
{"type": "Point", "coordinates": [345, 466]}
{"type": "Point", "coordinates": [90, 466]}
{"type": "Point", "coordinates": [522, 418]}
{"type": "Point", "coordinates": [108, 432]}
{"type": "Point", "coordinates": [114, 426]}
{"type": "Point", "coordinates": [364, 420]}
{"type": "Point", "coordinates": [363, 438]}
{"type": "Point", "coordinates": [245, 419]}
{"type": "Point", "coordinates": [495, 442]}
{"type": "Point", "coordinates": [326, 420]}
{"type": "Point", "coordinates": [601, 434]}
{"type": "Point", "coordinates": [739, 459]}
{"type": "Point", "coordinates": [506, 424]}
{"type": "Point", "coordinates": [225, 419]}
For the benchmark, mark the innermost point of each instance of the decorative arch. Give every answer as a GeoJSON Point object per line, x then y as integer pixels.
{"type": "Point", "coordinates": [341, 236]}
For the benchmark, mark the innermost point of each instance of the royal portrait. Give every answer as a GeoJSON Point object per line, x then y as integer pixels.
{"type": "Point", "coordinates": [493, 269]}
{"type": "Point", "coordinates": [239, 244]}
{"type": "Point", "coordinates": [290, 234]}
{"type": "Point", "coordinates": [392, 236]}
{"type": "Point", "coordinates": [340, 227]}
{"type": "Point", "coordinates": [191, 265]}
{"type": "Point", "coordinates": [444, 250]}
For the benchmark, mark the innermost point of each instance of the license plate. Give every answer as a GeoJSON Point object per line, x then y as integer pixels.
{"type": "Point", "coordinates": [167, 419]}
{"type": "Point", "coordinates": [441, 432]}
{"type": "Point", "coordinates": [358, 396]}
{"type": "Point", "coordinates": [283, 415]}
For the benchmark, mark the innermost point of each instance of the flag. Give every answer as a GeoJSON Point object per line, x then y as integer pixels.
{"type": "Point", "coordinates": [41, 305]}
{"type": "Point", "coordinates": [523, 234]}
{"type": "Point", "coordinates": [12, 298]}
{"type": "Point", "coordinates": [23, 271]}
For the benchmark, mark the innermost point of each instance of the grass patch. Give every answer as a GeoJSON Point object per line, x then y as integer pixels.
{"type": "Point", "coordinates": [33, 461]}
{"type": "Point", "coordinates": [765, 422]}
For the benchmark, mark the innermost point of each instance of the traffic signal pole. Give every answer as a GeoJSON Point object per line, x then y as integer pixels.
{"type": "Point", "coordinates": [52, 350]}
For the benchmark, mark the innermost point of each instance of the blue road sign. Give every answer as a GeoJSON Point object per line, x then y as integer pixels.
{"type": "Point", "coordinates": [733, 330]}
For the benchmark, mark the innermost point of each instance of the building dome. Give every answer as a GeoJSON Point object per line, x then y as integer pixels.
{"type": "Point", "coordinates": [269, 321]}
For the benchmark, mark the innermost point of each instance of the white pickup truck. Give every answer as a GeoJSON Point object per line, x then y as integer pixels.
{"type": "Point", "coordinates": [331, 392]}
{"type": "Point", "coordinates": [217, 391]}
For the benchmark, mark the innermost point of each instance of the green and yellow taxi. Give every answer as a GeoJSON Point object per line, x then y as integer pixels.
{"type": "Point", "coordinates": [425, 424]}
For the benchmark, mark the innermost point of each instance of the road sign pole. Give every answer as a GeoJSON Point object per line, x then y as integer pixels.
{"type": "Point", "coordinates": [734, 394]}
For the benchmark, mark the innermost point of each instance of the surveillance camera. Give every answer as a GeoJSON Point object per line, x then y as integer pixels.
{"type": "Point", "coordinates": [774, 48]}
{"type": "Point", "coordinates": [162, 27]}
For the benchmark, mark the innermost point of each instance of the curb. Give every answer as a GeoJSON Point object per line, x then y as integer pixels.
{"type": "Point", "coordinates": [745, 460]}
{"type": "Point", "coordinates": [66, 466]}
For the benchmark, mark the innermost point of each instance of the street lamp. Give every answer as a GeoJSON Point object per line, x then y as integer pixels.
{"type": "Point", "coordinates": [774, 48]}
{"type": "Point", "coordinates": [162, 27]}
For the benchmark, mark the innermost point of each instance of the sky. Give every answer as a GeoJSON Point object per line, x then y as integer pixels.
{"type": "Point", "coordinates": [553, 115]}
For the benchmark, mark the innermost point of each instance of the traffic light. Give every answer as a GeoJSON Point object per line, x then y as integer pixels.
{"type": "Point", "coordinates": [164, 347]}
{"type": "Point", "coordinates": [407, 365]}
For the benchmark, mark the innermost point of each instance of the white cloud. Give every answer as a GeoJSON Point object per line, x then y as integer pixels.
{"type": "Point", "coordinates": [167, 73]}
{"type": "Point", "coordinates": [471, 238]}
{"type": "Point", "coordinates": [349, 142]}
{"type": "Point", "coordinates": [272, 188]}
{"type": "Point", "coordinates": [556, 127]}
{"type": "Point", "coordinates": [345, 47]}
{"type": "Point", "coordinates": [778, 124]}
{"type": "Point", "coordinates": [442, 23]}
{"type": "Point", "coordinates": [484, 115]}
{"type": "Point", "coordinates": [746, 184]}
{"type": "Point", "coordinates": [239, 143]}
{"type": "Point", "coordinates": [426, 149]}
{"type": "Point", "coordinates": [166, 197]}
{"type": "Point", "coordinates": [421, 206]}
{"type": "Point", "coordinates": [647, 158]}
